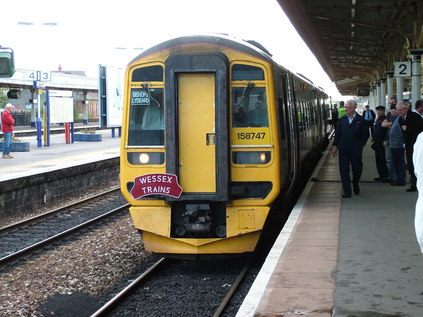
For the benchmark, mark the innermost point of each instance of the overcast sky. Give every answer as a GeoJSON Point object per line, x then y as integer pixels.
{"type": "Point", "coordinates": [81, 34]}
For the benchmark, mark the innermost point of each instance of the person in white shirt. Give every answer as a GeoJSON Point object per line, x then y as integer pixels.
{"type": "Point", "coordinates": [418, 170]}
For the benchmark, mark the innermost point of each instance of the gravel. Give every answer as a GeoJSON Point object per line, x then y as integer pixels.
{"type": "Point", "coordinates": [86, 268]}
{"type": "Point", "coordinates": [76, 278]}
{"type": "Point", "coordinates": [183, 288]}
{"type": "Point", "coordinates": [14, 241]}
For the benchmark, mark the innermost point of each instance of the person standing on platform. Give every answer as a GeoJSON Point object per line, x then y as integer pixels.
{"type": "Point", "coordinates": [370, 116]}
{"type": "Point", "coordinates": [396, 145]}
{"type": "Point", "coordinates": [378, 145]}
{"type": "Point", "coordinates": [335, 116]}
{"type": "Point", "coordinates": [419, 107]}
{"type": "Point", "coordinates": [7, 123]}
{"type": "Point", "coordinates": [418, 169]}
{"type": "Point", "coordinates": [392, 102]}
{"type": "Point", "coordinates": [411, 124]}
{"type": "Point", "coordinates": [352, 134]}
{"type": "Point", "coordinates": [341, 111]}
{"type": "Point", "coordinates": [387, 123]}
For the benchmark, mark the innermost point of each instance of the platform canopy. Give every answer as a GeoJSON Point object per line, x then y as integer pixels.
{"type": "Point", "coordinates": [357, 41]}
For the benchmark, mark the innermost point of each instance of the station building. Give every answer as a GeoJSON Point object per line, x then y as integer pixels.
{"type": "Point", "coordinates": [75, 86]}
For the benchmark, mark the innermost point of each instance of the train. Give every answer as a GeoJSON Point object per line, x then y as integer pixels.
{"type": "Point", "coordinates": [214, 133]}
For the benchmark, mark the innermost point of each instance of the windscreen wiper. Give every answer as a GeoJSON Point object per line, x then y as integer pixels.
{"type": "Point", "coordinates": [151, 94]}
{"type": "Point", "coordinates": [247, 90]}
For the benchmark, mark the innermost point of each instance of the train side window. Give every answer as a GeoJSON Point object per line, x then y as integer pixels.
{"type": "Point", "coordinates": [146, 117]}
{"type": "Point", "coordinates": [246, 72]}
{"type": "Point", "coordinates": [249, 107]}
{"type": "Point", "coordinates": [149, 73]}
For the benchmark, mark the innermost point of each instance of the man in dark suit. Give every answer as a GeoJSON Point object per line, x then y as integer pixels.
{"type": "Point", "coordinates": [369, 116]}
{"type": "Point", "coordinates": [411, 125]}
{"type": "Point", "coordinates": [378, 140]}
{"type": "Point", "coordinates": [352, 134]}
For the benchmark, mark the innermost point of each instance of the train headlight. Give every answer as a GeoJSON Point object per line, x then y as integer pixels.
{"type": "Point", "coordinates": [251, 157]}
{"type": "Point", "coordinates": [146, 158]}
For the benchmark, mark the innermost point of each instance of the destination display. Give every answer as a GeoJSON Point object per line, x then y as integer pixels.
{"type": "Point", "coordinates": [139, 97]}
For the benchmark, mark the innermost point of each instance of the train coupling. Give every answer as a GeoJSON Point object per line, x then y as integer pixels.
{"type": "Point", "coordinates": [198, 221]}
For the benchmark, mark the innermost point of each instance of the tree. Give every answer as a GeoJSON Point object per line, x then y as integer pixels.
{"type": "Point", "coordinates": [3, 99]}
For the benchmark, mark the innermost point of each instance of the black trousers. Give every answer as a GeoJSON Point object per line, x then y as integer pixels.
{"type": "Point", "coordinates": [370, 124]}
{"type": "Point", "coordinates": [381, 166]}
{"type": "Point", "coordinates": [399, 164]}
{"type": "Point", "coordinates": [410, 165]}
{"type": "Point", "coordinates": [349, 158]}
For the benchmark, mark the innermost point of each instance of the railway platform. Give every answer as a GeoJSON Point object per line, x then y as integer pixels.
{"type": "Point", "coordinates": [340, 257]}
{"type": "Point", "coordinates": [58, 155]}
{"type": "Point", "coordinates": [43, 175]}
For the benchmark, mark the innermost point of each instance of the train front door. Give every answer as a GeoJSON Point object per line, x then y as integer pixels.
{"type": "Point", "coordinates": [197, 131]}
{"type": "Point", "coordinates": [197, 150]}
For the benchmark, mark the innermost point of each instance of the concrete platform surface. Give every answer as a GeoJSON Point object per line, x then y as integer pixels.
{"type": "Point", "coordinates": [343, 257]}
{"type": "Point", "coordinates": [58, 155]}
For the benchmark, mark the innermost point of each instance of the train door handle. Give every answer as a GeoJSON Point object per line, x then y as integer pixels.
{"type": "Point", "coordinates": [210, 139]}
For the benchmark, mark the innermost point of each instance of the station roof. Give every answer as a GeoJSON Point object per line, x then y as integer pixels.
{"type": "Point", "coordinates": [357, 41]}
{"type": "Point", "coordinates": [58, 81]}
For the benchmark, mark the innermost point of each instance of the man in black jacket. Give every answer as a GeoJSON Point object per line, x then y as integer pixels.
{"type": "Point", "coordinates": [352, 134]}
{"type": "Point", "coordinates": [411, 124]}
{"type": "Point", "coordinates": [378, 145]}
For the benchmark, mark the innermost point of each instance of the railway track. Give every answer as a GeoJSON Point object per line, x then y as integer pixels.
{"type": "Point", "coordinates": [128, 289]}
{"type": "Point", "coordinates": [158, 274]}
{"type": "Point", "coordinates": [26, 236]}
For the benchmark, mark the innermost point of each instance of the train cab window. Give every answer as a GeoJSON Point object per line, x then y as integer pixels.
{"type": "Point", "coordinates": [146, 118]}
{"type": "Point", "coordinates": [149, 73]}
{"type": "Point", "coordinates": [246, 72]}
{"type": "Point", "coordinates": [249, 107]}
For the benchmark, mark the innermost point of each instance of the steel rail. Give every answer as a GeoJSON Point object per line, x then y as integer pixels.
{"type": "Point", "coordinates": [127, 290]}
{"type": "Point", "coordinates": [60, 235]}
{"type": "Point", "coordinates": [232, 290]}
{"type": "Point", "coordinates": [52, 212]}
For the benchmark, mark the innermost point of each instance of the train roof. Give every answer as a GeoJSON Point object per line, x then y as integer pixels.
{"type": "Point", "coordinates": [249, 47]}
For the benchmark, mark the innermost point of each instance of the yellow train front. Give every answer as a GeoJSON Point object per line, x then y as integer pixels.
{"type": "Point", "coordinates": [200, 153]}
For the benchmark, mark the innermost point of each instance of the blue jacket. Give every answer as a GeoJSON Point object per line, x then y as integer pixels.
{"type": "Point", "coordinates": [351, 136]}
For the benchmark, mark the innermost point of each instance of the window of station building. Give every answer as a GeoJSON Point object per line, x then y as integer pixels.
{"type": "Point", "coordinates": [146, 117]}
{"type": "Point", "coordinates": [149, 73]}
{"type": "Point", "coordinates": [246, 72]}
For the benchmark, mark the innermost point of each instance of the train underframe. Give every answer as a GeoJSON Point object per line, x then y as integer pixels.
{"type": "Point", "coordinates": [200, 228]}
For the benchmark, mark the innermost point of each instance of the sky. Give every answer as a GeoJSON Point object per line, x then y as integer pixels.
{"type": "Point", "coordinates": [81, 34]}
